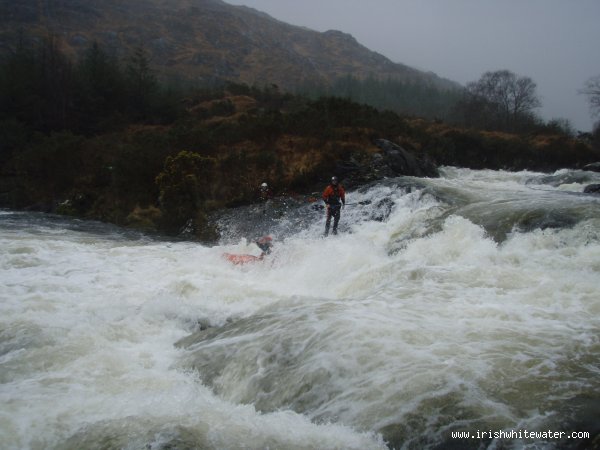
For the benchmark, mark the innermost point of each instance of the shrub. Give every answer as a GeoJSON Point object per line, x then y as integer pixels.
{"type": "Point", "coordinates": [184, 185]}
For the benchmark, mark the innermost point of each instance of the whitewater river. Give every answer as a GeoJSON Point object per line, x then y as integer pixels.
{"type": "Point", "coordinates": [468, 303]}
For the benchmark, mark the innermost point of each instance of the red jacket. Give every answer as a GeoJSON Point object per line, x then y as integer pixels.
{"type": "Point", "coordinates": [333, 194]}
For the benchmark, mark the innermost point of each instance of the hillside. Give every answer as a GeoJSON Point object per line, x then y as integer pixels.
{"type": "Point", "coordinates": [95, 138]}
{"type": "Point", "coordinates": [203, 40]}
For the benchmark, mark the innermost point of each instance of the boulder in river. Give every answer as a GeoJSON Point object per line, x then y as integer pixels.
{"type": "Point", "coordinates": [592, 189]}
{"type": "Point", "coordinates": [594, 167]}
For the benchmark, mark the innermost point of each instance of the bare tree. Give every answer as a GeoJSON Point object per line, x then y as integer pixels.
{"type": "Point", "coordinates": [502, 98]}
{"type": "Point", "coordinates": [592, 90]}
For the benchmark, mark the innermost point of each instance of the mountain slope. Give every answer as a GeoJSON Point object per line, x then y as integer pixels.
{"type": "Point", "coordinates": [203, 40]}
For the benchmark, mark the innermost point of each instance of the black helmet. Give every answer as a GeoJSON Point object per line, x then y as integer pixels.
{"type": "Point", "coordinates": [334, 180]}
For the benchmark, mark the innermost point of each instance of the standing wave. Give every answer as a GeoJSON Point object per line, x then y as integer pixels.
{"type": "Point", "coordinates": [464, 303]}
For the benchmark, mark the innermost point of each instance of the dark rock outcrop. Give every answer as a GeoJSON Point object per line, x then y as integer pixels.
{"type": "Point", "coordinates": [395, 161]}
{"type": "Point", "coordinates": [592, 189]}
{"type": "Point", "coordinates": [392, 161]}
{"type": "Point", "coordinates": [594, 167]}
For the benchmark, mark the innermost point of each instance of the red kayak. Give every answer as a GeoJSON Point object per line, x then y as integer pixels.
{"type": "Point", "coordinates": [264, 243]}
{"type": "Point", "coordinates": [241, 259]}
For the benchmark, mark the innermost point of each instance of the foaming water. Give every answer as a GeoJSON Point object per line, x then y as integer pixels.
{"type": "Point", "coordinates": [417, 320]}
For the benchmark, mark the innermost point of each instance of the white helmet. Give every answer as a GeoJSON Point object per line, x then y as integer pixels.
{"type": "Point", "coordinates": [264, 185]}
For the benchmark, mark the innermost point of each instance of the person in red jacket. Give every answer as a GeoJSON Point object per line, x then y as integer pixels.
{"type": "Point", "coordinates": [334, 197]}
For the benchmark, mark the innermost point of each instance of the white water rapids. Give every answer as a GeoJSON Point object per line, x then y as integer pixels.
{"type": "Point", "coordinates": [465, 303]}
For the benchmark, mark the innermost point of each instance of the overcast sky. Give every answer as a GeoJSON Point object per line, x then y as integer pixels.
{"type": "Point", "coordinates": [554, 42]}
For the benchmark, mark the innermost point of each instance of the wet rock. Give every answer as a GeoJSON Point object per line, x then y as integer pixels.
{"type": "Point", "coordinates": [392, 162]}
{"type": "Point", "coordinates": [401, 162]}
{"type": "Point", "coordinates": [594, 167]}
{"type": "Point", "coordinates": [592, 189]}
{"type": "Point", "coordinates": [382, 210]}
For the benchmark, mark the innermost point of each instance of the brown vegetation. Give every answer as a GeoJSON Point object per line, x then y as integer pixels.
{"type": "Point", "coordinates": [99, 141]}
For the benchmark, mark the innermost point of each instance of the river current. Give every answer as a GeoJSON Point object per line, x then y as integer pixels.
{"type": "Point", "coordinates": [468, 303]}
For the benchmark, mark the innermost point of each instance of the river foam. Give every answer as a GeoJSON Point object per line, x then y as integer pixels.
{"type": "Point", "coordinates": [417, 320]}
